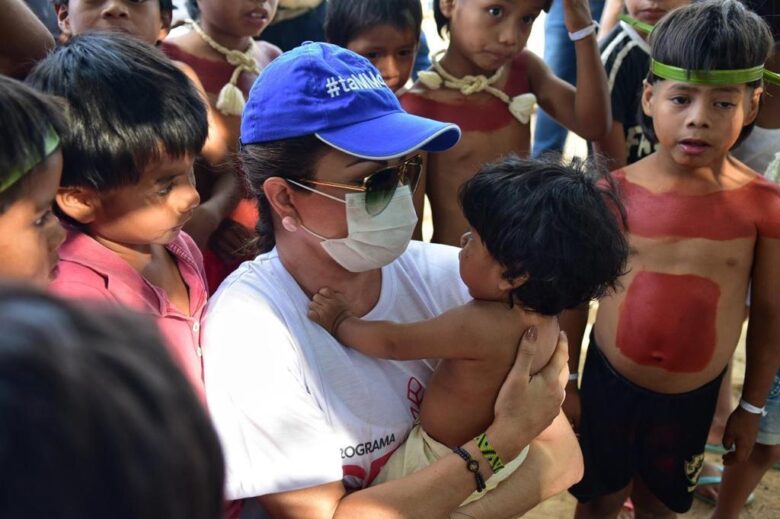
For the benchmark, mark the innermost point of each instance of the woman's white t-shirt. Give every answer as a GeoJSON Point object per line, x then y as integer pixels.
{"type": "Point", "coordinates": [293, 407]}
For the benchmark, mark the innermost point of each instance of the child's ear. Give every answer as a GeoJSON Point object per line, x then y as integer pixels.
{"type": "Point", "coordinates": [446, 7]}
{"type": "Point", "coordinates": [511, 284]}
{"type": "Point", "coordinates": [647, 98]}
{"type": "Point", "coordinates": [79, 203]}
{"type": "Point", "coordinates": [63, 20]}
{"type": "Point", "coordinates": [755, 104]}
{"type": "Point", "coordinates": [166, 19]}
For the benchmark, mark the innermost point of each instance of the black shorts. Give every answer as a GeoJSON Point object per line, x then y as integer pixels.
{"type": "Point", "coordinates": [627, 430]}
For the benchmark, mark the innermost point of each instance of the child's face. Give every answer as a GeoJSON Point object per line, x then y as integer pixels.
{"type": "Point", "coordinates": [489, 33]}
{"type": "Point", "coordinates": [390, 49]}
{"type": "Point", "coordinates": [236, 18]}
{"type": "Point", "coordinates": [153, 211]}
{"type": "Point", "coordinates": [140, 18]}
{"type": "Point", "coordinates": [698, 124]}
{"type": "Point", "coordinates": [30, 234]}
{"type": "Point", "coordinates": [650, 11]}
{"type": "Point", "coordinates": [480, 272]}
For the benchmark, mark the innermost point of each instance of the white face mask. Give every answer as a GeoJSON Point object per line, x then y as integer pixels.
{"type": "Point", "coordinates": [372, 241]}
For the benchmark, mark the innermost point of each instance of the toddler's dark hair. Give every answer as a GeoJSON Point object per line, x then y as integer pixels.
{"type": "Point", "coordinates": [128, 106]}
{"type": "Point", "coordinates": [96, 420]}
{"type": "Point", "coordinates": [443, 22]}
{"type": "Point", "coordinates": [710, 35]}
{"type": "Point", "coordinates": [346, 19]}
{"type": "Point", "coordinates": [553, 222]}
{"type": "Point", "coordinates": [165, 5]}
{"type": "Point", "coordinates": [28, 117]}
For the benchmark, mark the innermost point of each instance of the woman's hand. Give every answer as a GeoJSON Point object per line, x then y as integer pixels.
{"type": "Point", "coordinates": [527, 405]}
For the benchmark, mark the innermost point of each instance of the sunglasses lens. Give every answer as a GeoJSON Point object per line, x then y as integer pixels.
{"type": "Point", "coordinates": [380, 188]}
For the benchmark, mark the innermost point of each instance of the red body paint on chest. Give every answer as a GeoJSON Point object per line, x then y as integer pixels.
{"type": "Point", "coordinates": [488, 115]}
{"type": "Point", "coordinates": [724, 215]}
{"type": "Point", "coordinates": [668, 321]}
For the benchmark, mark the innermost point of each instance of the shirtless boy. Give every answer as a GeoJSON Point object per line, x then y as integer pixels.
{"type": "Point", "coordinates": [487, 83]}
{"type": "Point", "coordinates": [701, 226]}
{"type": "Point", "coordinates": [542, 239]}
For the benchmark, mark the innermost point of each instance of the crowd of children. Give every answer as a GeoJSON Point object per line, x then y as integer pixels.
{"type": "Point", "coordinates": [121, 187]}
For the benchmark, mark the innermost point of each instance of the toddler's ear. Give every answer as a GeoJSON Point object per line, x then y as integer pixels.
{"type": "Point", "coordinates": [79, 203]}
{"type": "Point", "coordinates": [511, 284]}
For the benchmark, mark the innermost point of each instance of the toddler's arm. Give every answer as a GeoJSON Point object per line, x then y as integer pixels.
{"type": "Point", "coordinates": [585, 110]}
{"type": "Point", "coordinates": [450, 335]}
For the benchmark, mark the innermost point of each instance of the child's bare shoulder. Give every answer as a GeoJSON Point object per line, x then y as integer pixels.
{"type": "Point", "coordinates": [265, 53]}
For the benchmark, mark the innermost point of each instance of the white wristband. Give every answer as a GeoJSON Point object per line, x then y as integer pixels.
{"type": "Point", "coordinates": [574, 377]}
{"type": "Point", "coordinates": [750, 408]}
{"type": "Point", "coordinates": [584, 32]}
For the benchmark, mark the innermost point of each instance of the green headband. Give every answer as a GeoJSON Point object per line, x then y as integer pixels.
{"type": "Point", "coordinates": [707, 77]}
{"type": "Point", "coordinates": [50, 144]}
{"type": "Point", "coordinates": [636, 24]}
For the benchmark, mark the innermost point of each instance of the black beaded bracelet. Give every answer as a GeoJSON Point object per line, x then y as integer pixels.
{"type": "Point", "coordinates": [472, 466]}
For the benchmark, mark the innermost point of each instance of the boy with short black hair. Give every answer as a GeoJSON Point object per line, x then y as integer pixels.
{"type": "Point", "coordinates": [386, 32]}
{"type": "Point", "coordinates": [148, 20]}
{"type": "Point", "coordinates": [30, 169]}
{"type": "Point", "coordinates": [543, 238]}
{"type": "Point", "coordinates": [136, 125]}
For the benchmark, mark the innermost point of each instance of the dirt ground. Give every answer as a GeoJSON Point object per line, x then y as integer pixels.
{"type": "Point", "coordinates": [765, 506]}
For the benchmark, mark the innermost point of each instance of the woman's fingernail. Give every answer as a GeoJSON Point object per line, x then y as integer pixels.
{"type": "Point", "coordinates": [531, 333]}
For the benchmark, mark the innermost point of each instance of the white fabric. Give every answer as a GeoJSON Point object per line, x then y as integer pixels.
{"type": "Point", "coordinates": [293, 407]}
{"type": "Point", "coordinates": [759, 149]}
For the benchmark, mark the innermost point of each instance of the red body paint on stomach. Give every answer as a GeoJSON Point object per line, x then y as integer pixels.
{"type": "Point", "coordinates": [724, 215]}
{"type": "Point", "coordinates": [668, 321]}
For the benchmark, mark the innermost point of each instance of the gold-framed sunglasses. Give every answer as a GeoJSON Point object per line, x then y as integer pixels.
{"type": "Point", "coordinates": [379, 186]}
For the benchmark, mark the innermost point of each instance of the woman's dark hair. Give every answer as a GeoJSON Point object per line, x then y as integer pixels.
{"type": "Point", "coordinates": [96, 420]}
{"type": "Point", "coordinates": [294, 158]}
{"type": "Point", "coordinates": [28, 117]}
{"type": "Point", "coordinates": [553, 222]}
{"type": "Point", "coordinates": [346, 19]}
{"type": "Point", "coordinates": [443, 22]}
{"type": "Point", "coordinates": [710, 35]}
{"type": "Point", "coordinates": [128, 106]}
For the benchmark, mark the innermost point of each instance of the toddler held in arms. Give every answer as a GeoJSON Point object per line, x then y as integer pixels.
{"type": "Point", "coordinates": [543, 237]}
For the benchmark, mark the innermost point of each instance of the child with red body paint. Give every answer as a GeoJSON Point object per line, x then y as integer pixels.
{"type": "Point", "coordinates": [221, 49]}
{"type": "Point", "coordinates": [487, 83]}
{"type": "Point", "coordinates": [701, 226]}
{"type": "Point", "coordinates": [150, 21]}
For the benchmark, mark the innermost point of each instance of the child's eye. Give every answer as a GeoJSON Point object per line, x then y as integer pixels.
{"type": "Point", "coordinates": [679, 100]}
{"type": "Point", "coordinates": [724, 104]}
{"type": "Point", "coordinates": [43, 219]}
{"type": "Point", "coordinates": [495, 11]}
{"type": "Point", "coordinates": [405, 52]}
{"type": "Point", "coordinates": [528, 20]}
{"type": "Point", "coordinates": [371, 55]}
{"type": "Point", "coordinates": [167, 189]}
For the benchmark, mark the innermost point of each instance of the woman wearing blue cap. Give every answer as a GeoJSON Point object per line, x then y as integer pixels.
{"type": "Point", "coordinates": [306, 423]}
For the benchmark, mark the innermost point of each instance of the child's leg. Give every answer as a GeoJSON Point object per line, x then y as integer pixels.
{"type": "Point", "coordinates": [646, 505]}
{"type": "Point", "coordinates": [739, 480]}
{"type": "Point", "coordinates": [603, 507]}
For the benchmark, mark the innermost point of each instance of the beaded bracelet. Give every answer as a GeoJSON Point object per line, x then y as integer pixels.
{"type": "Point", "coordinates": [489, 452]}
{"type": "Point", "coordinates": [472, 466]}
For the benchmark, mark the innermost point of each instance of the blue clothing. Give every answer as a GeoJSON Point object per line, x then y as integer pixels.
{"type": "Point", "coordinates": [559, 55]}
{"type": "Point", "coordinates": [769, 428]}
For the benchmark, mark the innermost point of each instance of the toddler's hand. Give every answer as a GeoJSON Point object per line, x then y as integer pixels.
{"type": "Point", "coordinates": [328, 308]}
{"type": "Point", "coordinates": [576, 14]}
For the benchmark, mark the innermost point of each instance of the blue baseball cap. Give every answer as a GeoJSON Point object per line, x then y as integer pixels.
{"type": "Point", "coordinates": [330, 92]}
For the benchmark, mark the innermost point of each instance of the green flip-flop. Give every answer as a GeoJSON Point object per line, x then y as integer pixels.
{"type": "Point", "coordinates": [716, 480]}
